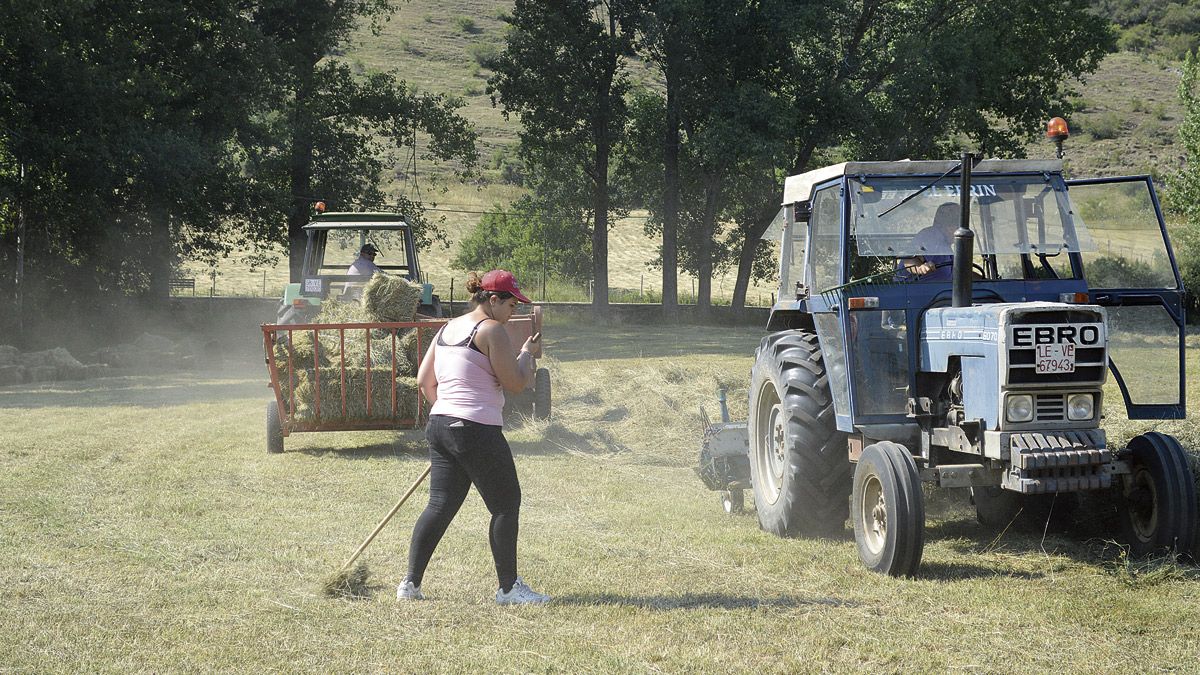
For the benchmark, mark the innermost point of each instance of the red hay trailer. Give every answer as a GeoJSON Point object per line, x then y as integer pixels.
{"type": "Point", "coordinates": [360, 402]}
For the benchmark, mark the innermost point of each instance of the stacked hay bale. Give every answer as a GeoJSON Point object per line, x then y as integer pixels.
{"type": "Point", "coordinates": [51, 365]}
{"type": "Point", "coordinates": [325, 356]}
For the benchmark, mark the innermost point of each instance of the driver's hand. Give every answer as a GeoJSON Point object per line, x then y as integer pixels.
{"type": "Point", "coordinates": [924, 268]}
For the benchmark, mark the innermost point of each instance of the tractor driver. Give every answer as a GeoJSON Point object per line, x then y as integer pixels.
{"type": "Point", "coordinates": [938, 239]}
{"type": "Point", "coordinates": [365, 265]}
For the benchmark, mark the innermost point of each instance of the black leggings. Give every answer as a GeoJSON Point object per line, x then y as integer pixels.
{"type": "Point", "coordinates": [464, 452]}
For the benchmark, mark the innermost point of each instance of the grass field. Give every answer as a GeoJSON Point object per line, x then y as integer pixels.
{"type": "Point", "coordinates": [145, 528]}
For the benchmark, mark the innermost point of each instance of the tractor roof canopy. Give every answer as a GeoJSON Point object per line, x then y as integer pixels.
{"type": "Point", "coordinates": [799, 188]}
{"type": "Point", "coordinates": [357, 221]}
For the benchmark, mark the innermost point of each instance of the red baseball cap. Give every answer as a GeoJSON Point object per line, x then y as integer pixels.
{"type": "Point", "coordinates": [502, 281]}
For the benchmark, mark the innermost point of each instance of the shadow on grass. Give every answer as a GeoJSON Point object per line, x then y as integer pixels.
{"type": "Point", "coordinates": [698, 601]}
{"type": "Point", "coordinates": [938, 571]}
{"type": "Point", "coordinates": [402, 450]}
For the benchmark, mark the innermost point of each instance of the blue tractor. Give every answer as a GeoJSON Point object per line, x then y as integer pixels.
{"type": "Point", "coordinates": [953, 323]}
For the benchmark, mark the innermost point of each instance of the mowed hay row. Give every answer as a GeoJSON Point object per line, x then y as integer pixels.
{"type": "Point", "coordinates": [391, 298]}
{"type": "Point", "coordinates": [651, 408]}
{"type": "Point", "coordinates": [331, 389]}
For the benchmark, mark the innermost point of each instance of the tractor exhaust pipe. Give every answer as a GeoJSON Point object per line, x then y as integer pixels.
{"type": "Point", "coordinates": [964, 239]}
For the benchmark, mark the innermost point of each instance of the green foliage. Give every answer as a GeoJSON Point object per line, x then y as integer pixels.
{"type": "Point", "coordinates": [466, 24]}
{"type": "Point", "coordinates": [484, 53]}
{"type": "Point", "coordinates": [524, 241]}
{"type": "Point", "coordinates": [1103, 126]}
{"type": "Point", "coordinates": [155, 132]}
{"type": "Point", "coordinates": [1121, 272]}
{"type": "Point", "coordinates": [560, 71]}
{"type": "Point", "coordinates": [1183, 187]}
{"type": "Point", "coordinates": [1163, 27]}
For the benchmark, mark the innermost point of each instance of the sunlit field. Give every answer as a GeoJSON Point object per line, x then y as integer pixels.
{"type": "Point", "coordinates": [146, 528]}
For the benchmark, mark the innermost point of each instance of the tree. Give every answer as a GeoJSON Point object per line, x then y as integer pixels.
{"type": "Point", "coordinates": [117, 124]}
{"type": "Point", "coordinates": [893, 80]}
{"type": "Point", "coordinates": [331, 134]}
{"type": "Point", "coordinates": [732, 121]}
{"type": "Point", "coordinates": [1183, 187]}
{"type": "Point", "coordinates": [560, 71]}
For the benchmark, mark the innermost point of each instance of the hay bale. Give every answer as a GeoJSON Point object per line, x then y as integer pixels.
{"type": "Point", "coordinates": [155, 344]}
{"type": "Point", "coordinates": [408, 344]}
{"type": "Point", "coordinates": [333, 311]}
{"type": "Point", "coordinates": [42, 373]}
{"type": "Point", "coordinates": [94, 370]}
{"type": "Point", "coordinates": [9, 355]}
{"type": "Point", "coordinates": [10, 375]}
{"type": "Point", "coordinates": [356, 395]}
{"type": "Point", "coordinates": [391, 298]}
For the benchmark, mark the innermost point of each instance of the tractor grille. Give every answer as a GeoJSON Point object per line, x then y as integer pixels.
{"type": "Point", "coordinates": [1090, 362]}
{"type": "Point", "coordinates": [1050, 407]}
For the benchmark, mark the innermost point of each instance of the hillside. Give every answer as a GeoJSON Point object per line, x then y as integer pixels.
{"type": "Point", "coordinates": [1126, 122]}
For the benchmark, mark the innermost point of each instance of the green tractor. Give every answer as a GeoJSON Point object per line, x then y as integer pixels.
{"type": "Point", "coordinates": [334, 240]}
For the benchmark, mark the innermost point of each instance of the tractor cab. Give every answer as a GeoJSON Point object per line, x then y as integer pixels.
{"type": "Point", "coordinates": [334, 243]}
{"type": "Point", "coordinates": [869, 263]}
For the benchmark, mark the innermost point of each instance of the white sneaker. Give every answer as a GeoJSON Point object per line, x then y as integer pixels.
{"type": "Point", "coordinates": [407, 591]}
{"type": "Point", "coordinates": [521, 594]}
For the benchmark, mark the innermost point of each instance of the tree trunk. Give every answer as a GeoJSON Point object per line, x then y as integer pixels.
{"type": "Point", "coordinates": [670, 250]}
{"type": "Point", "coordinates": [603, 139]}
{"type": "Point", "coordinates": [756, 230]}
{"type": "Point", "coordinates": [752, 235]}
{"type": "Point", "coordinates": [162, 255]}
{"type": "Point", "coordinates": [300, 170]}
{"type": "Point", "coordinates": [704, 251]}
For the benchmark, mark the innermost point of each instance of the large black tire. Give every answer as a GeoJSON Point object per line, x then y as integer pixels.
{"type": "Point", "coordinates": [274, 431]}
{"type": "Point", "coordinates": [799, 466]}
{"type": "Point", "coordinates": [1157, 502]}
{"type": "Point", "coordinates": [541, 394]}
{"type": "Point", "coordinates": [888, 510]}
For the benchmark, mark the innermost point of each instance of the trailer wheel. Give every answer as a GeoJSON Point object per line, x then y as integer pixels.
{"type": "Point", "coordinates": [274, 431]}
{"type": "Point", "coordinates": [888, 510]}
{"type": "Point", "coordinates": [541, 394]}
{"type": "Point", "coordinates": [798, 463]}
{"type": "Point", "coordinates": [1158, 498]}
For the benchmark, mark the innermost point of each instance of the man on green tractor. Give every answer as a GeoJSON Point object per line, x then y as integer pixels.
{"type": "Point", "coordinates": [365, 265]}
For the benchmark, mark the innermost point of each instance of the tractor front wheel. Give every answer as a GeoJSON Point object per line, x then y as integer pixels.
{"type": "Point", "coordinates": [799, 466]}
{"type": "Point", "coordinates": [274, 429]}
{"type": "Point", "coordinates": [888, 510]}
{"type": "Point", "coordinates": [1158, 498]}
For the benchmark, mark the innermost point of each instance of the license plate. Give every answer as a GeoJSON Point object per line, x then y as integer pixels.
{"type": "Point", "coordinates": [1056, 358]}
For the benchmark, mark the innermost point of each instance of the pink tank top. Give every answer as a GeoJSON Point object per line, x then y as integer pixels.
{"type": "Point", "coordinates": [467, 385]}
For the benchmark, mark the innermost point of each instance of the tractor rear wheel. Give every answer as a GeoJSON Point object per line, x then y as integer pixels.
{"type": "Point", "coordinates": [888, 510]}
{"type": "Point", "coordinates": [1158, 499]}
{"type": "Point", "coordinates": [541, 394]}
{"type": "Point", "coordinates": [274, 430]}
{"type": "Point", "coordinates": [798, 460]}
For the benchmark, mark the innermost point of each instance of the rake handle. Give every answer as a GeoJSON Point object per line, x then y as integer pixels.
{"type": "Point", "coordinates": [420, 479]}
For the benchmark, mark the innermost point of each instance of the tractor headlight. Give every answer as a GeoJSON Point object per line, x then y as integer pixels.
{"type": "Point", "coordinates": [1081, 407]}
{"type": "Point", "coordinates": [1019, 408]}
